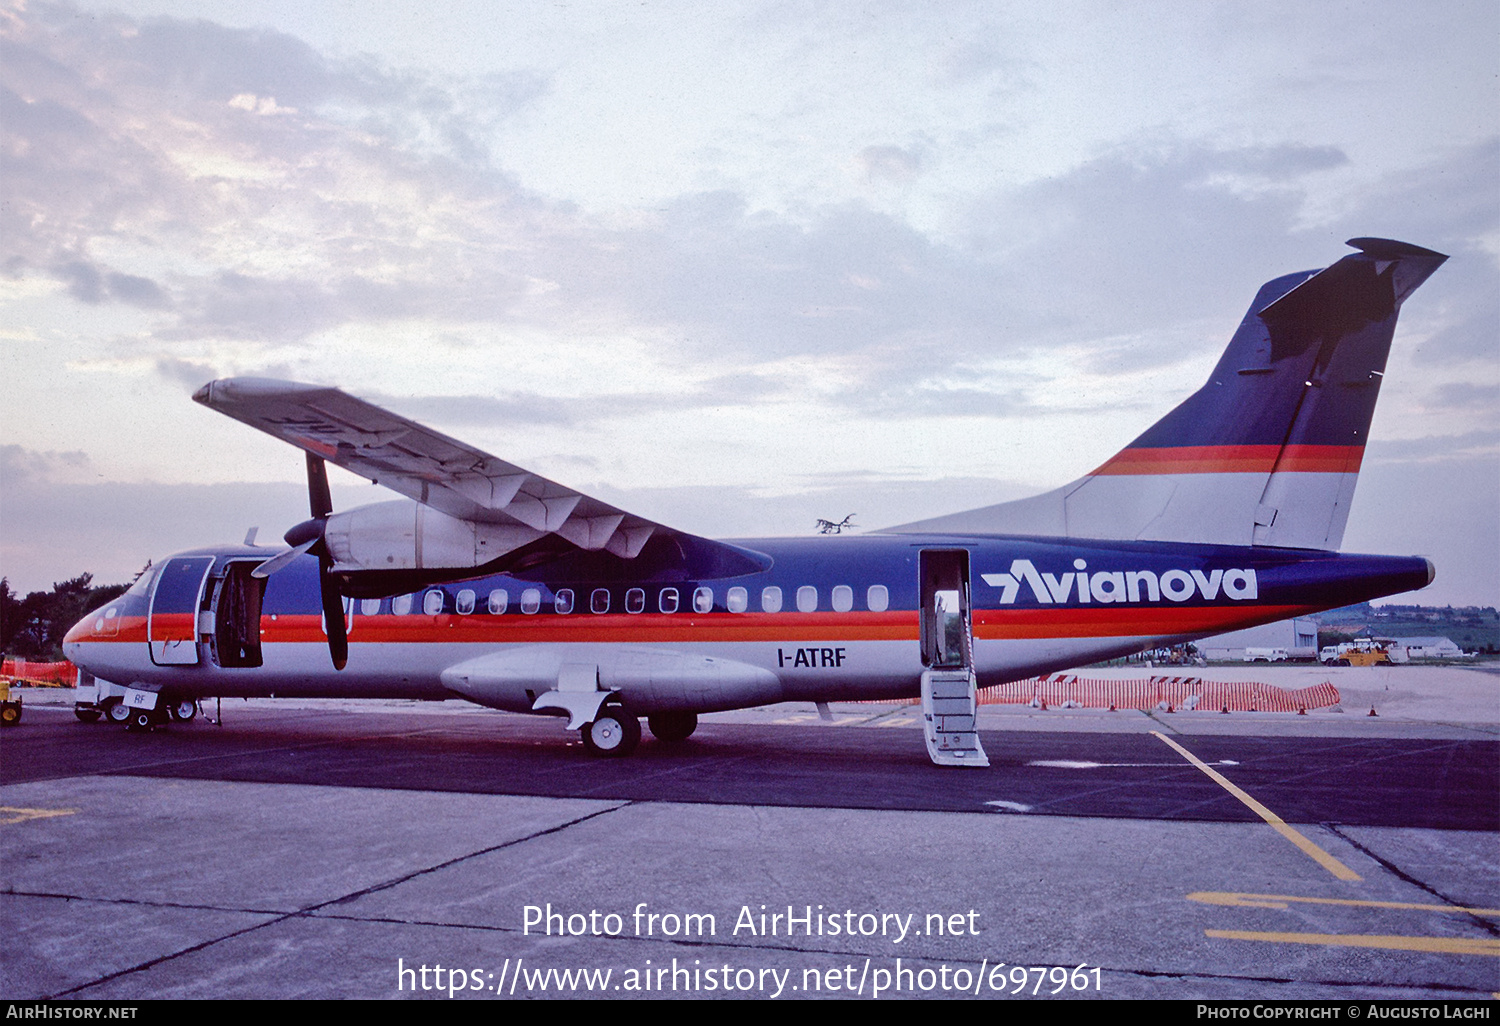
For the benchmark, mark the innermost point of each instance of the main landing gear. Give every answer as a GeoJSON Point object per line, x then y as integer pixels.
{"type": "Point", "coordinates": [673, 726]}
{"type": "Point", "coordinates": [613, 734]}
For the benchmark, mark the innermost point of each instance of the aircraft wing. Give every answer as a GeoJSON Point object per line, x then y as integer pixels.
{"type": "Point", "coordinates": [437, 471]}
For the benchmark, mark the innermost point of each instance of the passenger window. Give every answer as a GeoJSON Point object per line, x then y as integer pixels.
{"type": "Point", "coordinates": [703, 600]}
{"type": "Point", "coordinates": [562, 601]}
{"type": "Point", "coordinates": [738, 600]}
{"type": "Point", "coordinates": [635, 600]}
{"type": "Point", "coordinates": [843, 598]}
{"type": "Point", "coordinates": [667, 600]}
{"type": "Point", "coordinates": [770, 599]}
{"type": "Point", "coordinates": [807, 599]}
{"type": "Point", "coordinates": [499, 599]}
{"type": "Point", "coordinates": [369, 607]}
{"type": "Point", "coordinates": [878, 598]}
{"type": "Point", "coordinates": [401, 604]}
{"type": "Point", "coordinates": [599, 600]}
{"type": "Point", "coordinates": [432, 602]}
{"type": "Point", "coordinates": [531, 600]}
{"type": "Point", "coordinates": [465, 602]}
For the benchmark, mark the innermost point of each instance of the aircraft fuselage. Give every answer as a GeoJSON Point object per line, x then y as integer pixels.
{"type": "Point", "coordinates": [832, 619]}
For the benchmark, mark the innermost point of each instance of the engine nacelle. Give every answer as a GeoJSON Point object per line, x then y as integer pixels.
{"type": "Point", "coordinates": [406, 535]}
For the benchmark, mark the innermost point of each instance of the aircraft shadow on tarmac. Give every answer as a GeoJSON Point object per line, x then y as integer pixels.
{"type": "Point", "coordinates": [1436, 784]}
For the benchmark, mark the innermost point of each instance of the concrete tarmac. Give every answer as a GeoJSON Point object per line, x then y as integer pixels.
{"type": "Point", "coordinates": [341, 849]}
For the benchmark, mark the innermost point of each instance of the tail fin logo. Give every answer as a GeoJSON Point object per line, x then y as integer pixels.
{"type": "Point", "coordinates": [1104, 586]}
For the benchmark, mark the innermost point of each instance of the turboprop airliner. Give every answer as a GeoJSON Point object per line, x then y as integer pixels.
{"type": "Point", "coordinates": [492, 584]}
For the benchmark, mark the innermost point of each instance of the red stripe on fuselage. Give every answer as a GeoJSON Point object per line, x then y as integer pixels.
{"type": "Point", "coordinates": [1236, 459]}
{"type": "Point", "coordinates": [1129, 621]}
{"type": "Point", "coordinates": [989, 624]}
{"type": "Point", "coordinates": [174, 626]}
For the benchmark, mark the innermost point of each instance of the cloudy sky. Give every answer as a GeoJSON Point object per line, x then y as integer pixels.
{"type": "Point", "coordinates": [731, 266]}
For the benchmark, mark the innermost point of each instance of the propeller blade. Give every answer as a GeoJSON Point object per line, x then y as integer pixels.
{"type": "Point", "coordinates": [281, 560]}
{"type": "Point", "coordinates": [318, 497]}
{"type": "Point", "coordinates": [333, 616]}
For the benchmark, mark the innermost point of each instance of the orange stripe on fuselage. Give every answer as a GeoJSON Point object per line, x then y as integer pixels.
{"type": "Point", "coordinates": [1124, 621]}
{"type": "Point", "coordinates": [1112, 620]}
{"type": "Point", "coordinates": [174, 626]}
{"type": "Point", "coordinates": [1236, 459]}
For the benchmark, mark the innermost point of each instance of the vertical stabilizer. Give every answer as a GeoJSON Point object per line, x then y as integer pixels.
{"type": "Point", "coordinates": [1268, 450]}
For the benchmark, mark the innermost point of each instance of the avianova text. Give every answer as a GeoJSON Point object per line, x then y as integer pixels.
{"type": "Point", "coordinates": [1123, 585]}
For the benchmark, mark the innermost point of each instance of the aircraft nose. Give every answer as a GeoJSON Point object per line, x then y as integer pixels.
{"type": "Point", "coordinates": [105, 624]}
{"type": "Point", "coordinates": [85, 628]}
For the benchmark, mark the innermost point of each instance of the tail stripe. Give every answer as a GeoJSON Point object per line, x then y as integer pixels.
{"type": "Point", "coordinates": [1268, 451]}
{"type": "Point", "coordinates": [1236, 459]}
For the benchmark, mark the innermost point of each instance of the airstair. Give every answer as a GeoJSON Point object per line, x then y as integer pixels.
{"type": "Point", "coordinates": [948, 717]}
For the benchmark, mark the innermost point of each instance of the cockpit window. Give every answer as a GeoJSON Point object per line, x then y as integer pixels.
{"type": "Point", "coordinates": [142, 584]}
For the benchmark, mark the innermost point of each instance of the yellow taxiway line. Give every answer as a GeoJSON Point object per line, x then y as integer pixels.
{"type": "Point", "coordinates": [10, 815]}
{"type": "Point", "coordinates": [1317, 854]}
{"type": "Point", "coordinates": [1444, 945]}
{"type": "Point", "coordinates": [1282, 900]}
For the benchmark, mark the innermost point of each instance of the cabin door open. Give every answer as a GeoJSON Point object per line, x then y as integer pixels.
{"type": "Point", "coordinates": [949, 697]}
{"type": "Point", "coordinates": [947, 632]}
{"type": "Point", "coordinates": [236, 621]}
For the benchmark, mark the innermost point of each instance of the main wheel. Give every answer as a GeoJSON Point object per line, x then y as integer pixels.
{"type": "Point", "coordinates": [86, 715]}
{"type": "Point", "coordinates": [117, 711]}
{"type": "Point", "coordinates": [183, 711]}
{"type": "Point", "coordinates": [614, 733]}
{"type": "Point", "coordinates": [672, 726]}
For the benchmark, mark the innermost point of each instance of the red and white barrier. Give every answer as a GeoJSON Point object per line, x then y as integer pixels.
{"type": "Point", "coordinates": [1068, 690]}
{"type": "Point", "coordinates": [47, 675]}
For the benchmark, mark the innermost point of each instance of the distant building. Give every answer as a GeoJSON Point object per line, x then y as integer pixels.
{"type": "Point", "coordinates": [1430, 648]}
{"type": "Point", "coordinates": [1298, 636]}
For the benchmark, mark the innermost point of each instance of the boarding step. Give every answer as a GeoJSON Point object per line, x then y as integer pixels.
{"type": "Point", "coordinates": [948, 707]}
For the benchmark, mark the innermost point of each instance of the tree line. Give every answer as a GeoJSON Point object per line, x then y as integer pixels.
{"type": "Point", "coordinates": [33, 627]}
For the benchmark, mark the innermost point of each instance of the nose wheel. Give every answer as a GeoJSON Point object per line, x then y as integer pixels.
{"type": "Point", "coordinates": [613, 734]}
